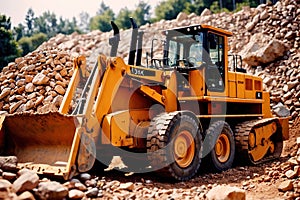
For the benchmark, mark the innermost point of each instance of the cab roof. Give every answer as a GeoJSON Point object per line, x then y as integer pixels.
{"type": "Point", "coordinates": [195, 29]}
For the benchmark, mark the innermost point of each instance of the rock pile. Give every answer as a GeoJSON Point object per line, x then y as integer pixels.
{"type": "Point", "coordinates": [283, 83]}
{"type": "Point", "coordinates": [76, 44]}
{"type": "Point", "coordinates": [25, 184]}
{"type": "Point", "coordinates": [279, 23]}
{"type": "Point", "coordinates": [290, 171]}
{"type": "Point", "coordinates": [36, 82]}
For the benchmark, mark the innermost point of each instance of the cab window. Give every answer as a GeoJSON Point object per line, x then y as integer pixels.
{"type": "Point", "coordinates": [175, 52]}
{"type": "Point", "coordinates": [216, 52]}
{"type": "Point", "coordinates": [215, 72]}
{"type": "Point", "coordinates": [196, 49]}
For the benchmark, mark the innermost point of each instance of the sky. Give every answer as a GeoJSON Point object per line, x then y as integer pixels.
{"type": "Point", "coordinates": [17, 9]}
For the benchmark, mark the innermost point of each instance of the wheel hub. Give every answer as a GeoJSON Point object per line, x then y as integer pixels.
{"type": "Point", "coordinates": [184, 149]}
{"type": "Point", "coordinates": [181, 147]}
{"type": "Point", "coordinates": [219, 148]}
{"type": "Point", "coordinates": [222, 148]}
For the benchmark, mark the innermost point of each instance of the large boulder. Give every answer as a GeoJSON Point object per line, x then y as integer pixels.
{"type": "Point", "coordinates": [206, 12]}
{"type": "Point", "coordinates": [27, 181]}
{"type": "Point", "coordinates": [262, 49]}
{"type": "Point", "coordinates": [224, 192]}
{"type": "Point", "coordinates": [51, 190]}
{"type": "Point", "coordinates": [181, 16]}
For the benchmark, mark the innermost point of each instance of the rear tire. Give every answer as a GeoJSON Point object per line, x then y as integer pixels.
{"type": "Point", "coordinates": [219, 146]}
{"type": "Point", "coordinates": [174, 145]}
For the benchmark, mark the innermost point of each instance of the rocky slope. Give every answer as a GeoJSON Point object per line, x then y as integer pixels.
{"type": "Point", "coordinates": [268, 37]}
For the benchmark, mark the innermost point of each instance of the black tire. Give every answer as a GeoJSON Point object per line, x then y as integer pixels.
{"type": "Point", "coordinates": [219, 146]}
{"type": "Point", "coordinates": [170, 131]}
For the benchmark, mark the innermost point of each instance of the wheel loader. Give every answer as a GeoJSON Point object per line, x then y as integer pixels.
{"type": "Point", "coordinates": [176, 110]}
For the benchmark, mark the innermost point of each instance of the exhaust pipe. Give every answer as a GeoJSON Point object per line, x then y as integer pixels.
{"type": "Point", "coordinates": [114, 41]}
{"type": "Point", "coordinates": [133, 42]}
{"type": "Point", "coordinates": [140, 49]}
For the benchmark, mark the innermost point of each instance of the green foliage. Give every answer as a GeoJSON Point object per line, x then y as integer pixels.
{"type": "Point", "coordinates": [37, 39]}
{"type": "Point", "coordinates": [67, 26]}
{"type": "Point", "coordinates": [19, 31]}
{"type": "Point", "coordinates": [26, 44]}
{"type": "Point", "coordinates": [9, 49]}
{"type": "Point", "coordinates": [103, 9]}
{"type": "Point", "coordinates": [5, 22]}
{"type": "Point", "coordinates": [102, 20]}
{"type": "Point", "coordinates": [197, 6]}
{"type": "Point", "coordinates": [252, 3]}
{"type": "Point", "coordinates": [29, 44]}
{"type": "Point", "coordinates": [122, 20]}
{"type": "Point", "coordinates": [215, 8]}
{"type": "Point", "coordinates": [142, 13]}
{"type": "Point", "coordinates": [29, 18]}
{"type": "Point", "coordinates": [239, 6]}
{"type": "Point", "coordinates": [46, 23]}
{"type": "Point", "coordinates": [169, 9]}
{"type": "Point", "coordinates": [40, 29]}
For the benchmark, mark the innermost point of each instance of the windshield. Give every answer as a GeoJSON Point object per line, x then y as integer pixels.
{"type": "Point", "coordinates": [185, 47]}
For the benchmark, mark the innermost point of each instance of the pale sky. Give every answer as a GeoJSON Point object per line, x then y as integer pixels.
{"type": "Point", "coordinates": [17, 9]}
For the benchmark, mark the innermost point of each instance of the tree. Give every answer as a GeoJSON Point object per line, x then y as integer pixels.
{"type": "Point", "coordinates": [103, 8]}
{"type": "Point", "coordinates": [169, 9]}
{"type": "Point", "coordinates": [41, 24]}
{"type": "Point", "coordinates": [122, 20]}
{"type": "Point", "coordinates": [37, 39]}
{"type": "Point", "coordinates": [62, 26]}
{"type": "Point", "coordinates": [53, 24]}
{"type": "Point", "coordinates": [29, 44]}
{"type": "Point", "coordinates": [5, 22]}
{"type": "Point", "coordinates": [102, 20]}
{"type": "Point", "coordinates": [46, 23]}
{"type": "Point", "coordinates": [67, 26]}
{"type": "Point", "coordinates": [19, 31]}
{"type": "Point", "coordinates": [73, 26]}
{"type": "Point", "coordinates": [84, 18]}
{"type": "Point", "coordinates": [216, 8]}
{"type": "Point", "coordinates": [142, 13]}
{"type": "Point", "coordinates": [8, 46]}
{"type": "Point", "coordinates": [197, 6]}
{"type": "Point", "coordinates": [26, 44]}
{"type": "Point", "coordinates": [29, 19]}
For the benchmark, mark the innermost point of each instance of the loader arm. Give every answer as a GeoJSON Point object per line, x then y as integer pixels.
{"type": "Point", "coordinates": [94, 103]}
{"type": "Point", "coordinates": [79, 72]}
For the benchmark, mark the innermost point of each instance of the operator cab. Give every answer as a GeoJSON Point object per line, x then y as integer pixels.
{"type": "Point", "coordinates": [197, 47]}
{"type": "Point", "coordinates": [184, 47]}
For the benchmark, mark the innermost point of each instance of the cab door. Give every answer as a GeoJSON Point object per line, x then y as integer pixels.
{"type": "Point", "coordinates": [215, 73]}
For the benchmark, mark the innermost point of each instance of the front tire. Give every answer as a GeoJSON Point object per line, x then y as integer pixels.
{"type": "Point", "coordinates": [174, 145]}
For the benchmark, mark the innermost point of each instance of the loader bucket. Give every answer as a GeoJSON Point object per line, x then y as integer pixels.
{"type": "Point", "coordinates": [41, 142]}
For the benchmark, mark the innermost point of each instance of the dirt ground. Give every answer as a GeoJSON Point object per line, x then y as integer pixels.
{"type": "Point", "coordinates": [258, 181]}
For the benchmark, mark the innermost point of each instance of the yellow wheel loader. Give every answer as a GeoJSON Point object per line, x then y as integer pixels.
{"type": "Point", "coordinates": [175, 111]}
